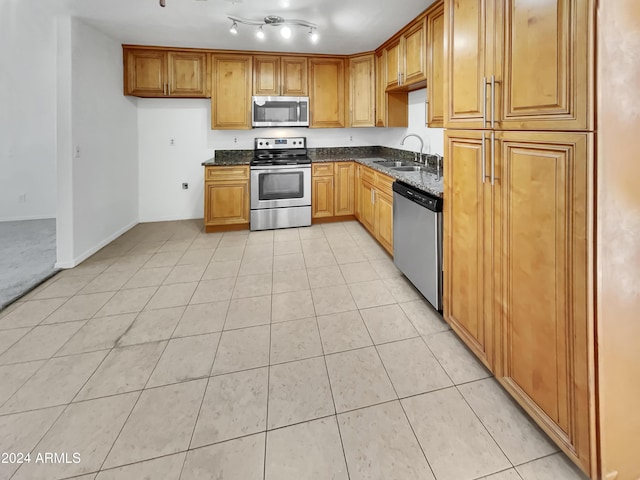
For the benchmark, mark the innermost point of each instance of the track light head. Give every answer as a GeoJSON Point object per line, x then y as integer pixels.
{"type": "Point", "coordinates": [285, 32]}
{"type": "Point", "coordinates": [234, 28]}
{"type": "Point", "coordinates": [260, 33]}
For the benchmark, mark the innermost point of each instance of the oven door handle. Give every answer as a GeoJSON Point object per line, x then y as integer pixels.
{"type": "Point", "coordinates": [280, 168]}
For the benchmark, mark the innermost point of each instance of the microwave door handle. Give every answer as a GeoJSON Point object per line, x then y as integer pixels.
{"type": "Point", "coordinates": [298, 111]}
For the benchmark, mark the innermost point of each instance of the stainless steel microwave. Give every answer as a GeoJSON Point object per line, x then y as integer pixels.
{"type": "Point", "coordinates": [280, 111]}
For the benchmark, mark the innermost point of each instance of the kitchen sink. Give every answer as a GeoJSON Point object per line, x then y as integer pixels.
{"type": "Point", "coordinates": [407, 168]}
{"type": "Point", "coordinates": [392, 163]}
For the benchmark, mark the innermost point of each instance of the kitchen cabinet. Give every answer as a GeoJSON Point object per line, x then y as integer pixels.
{"type": "Point", "coordinates": [344, 175]}
{"type": "Point", "coordinates": [327, 92]}
{"type": "Point", "coordinates": [226, 198]}
{"type": "Point", "coordinates": [406, 58]}
{"type": "Point", "coordinates": [162, 73]}
{"type": "Point", "coordinates": [542, 282]}
{"type": "Point", "coordinates": [515, 65]}
{"type": "Point", "coordinates": [333, 189]}
{"type": "Point", "coordinates": [322, 190]}
{"type": "Point", "coordinates": [363, 90]}
{"type": "Point", "coordinates": [375, 205]}
{"type": "Point", "coordinates": [467, 216]}
{"type": "Point", "coordinates": [231, 92]}
{"type": "Point", "coordinates": [276, 75]}
{"type": "Point", "coordinates": [516, 282]}
{"type": "Point", "coordinates": [392, 109]}
{"type": "Point", "coordinates": [435, 67]}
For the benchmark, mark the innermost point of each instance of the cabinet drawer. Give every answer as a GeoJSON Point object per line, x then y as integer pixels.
{"type": "Point", "coordinates": [322, 169]}
{"type": "Point", "coordinates": [226, 173]}
{"type": "Point", "coordinates": [368, 175]}
{"type": "Point", "coordinates": [384, 184]}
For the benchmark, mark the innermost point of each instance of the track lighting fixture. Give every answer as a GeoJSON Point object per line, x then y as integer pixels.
{"type": "Point", "coordinates": [275, 21]}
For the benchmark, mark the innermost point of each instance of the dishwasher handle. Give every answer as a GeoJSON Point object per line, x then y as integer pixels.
{"type": "Point", "coordinates": [417, 196]}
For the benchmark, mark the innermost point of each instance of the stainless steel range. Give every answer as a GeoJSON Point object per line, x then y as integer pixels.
{"type": "Point", "coordinates": [280, 184]}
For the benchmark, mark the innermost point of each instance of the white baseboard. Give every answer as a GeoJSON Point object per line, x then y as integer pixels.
{"type": "Point", "coordinates": [169, 219]}
{"type": "Point", "coordinates": [32, 217]}
{"type": "Point", "coordinates": [81, 258]}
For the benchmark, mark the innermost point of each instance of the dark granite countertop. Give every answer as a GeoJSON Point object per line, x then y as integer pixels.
{"type": "Point", "coordinates": [427, 181]}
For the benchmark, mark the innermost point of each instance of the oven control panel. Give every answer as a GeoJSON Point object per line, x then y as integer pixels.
{"type": "Point", "coordinates": [280, 143]}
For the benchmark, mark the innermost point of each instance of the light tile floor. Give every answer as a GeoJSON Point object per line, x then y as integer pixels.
{"type": "Point", "coordinates": [298, 354]}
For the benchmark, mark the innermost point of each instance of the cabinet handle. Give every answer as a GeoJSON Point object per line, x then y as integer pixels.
{"type": "Point", "coordinates": [169, 88]}
{"type": "Point", "coordinates": [484, 159]}
{"type": "Point", "coordinates": [493, 158]}
{"type": "Point", "coordinates": [493, 101]}
{"type": "Point", "coordinates": [484, 103]}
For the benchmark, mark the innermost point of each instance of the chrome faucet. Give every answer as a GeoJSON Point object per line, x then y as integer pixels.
{"type": "Point", "coordinates": [421, 143]}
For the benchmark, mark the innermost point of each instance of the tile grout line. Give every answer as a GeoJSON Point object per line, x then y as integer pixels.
{"type": "Point", "coordinates": [398, 399]}
{"type": "Point", "coordinates": [266, 419]}
{"type": "Point", "coordinates": [326, 369]}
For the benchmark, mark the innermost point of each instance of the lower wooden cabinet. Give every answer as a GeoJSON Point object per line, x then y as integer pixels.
{"type": "Point", "coordinates": [333, 189]}
{"type": "Point", "coordinates": [375, 205]}
{"type": "Point", "coordinates": [226, 198]}
{"type": "Point", "coordinates": [516, 276]}
{"type": "Point", "coordinates": [322, 197]}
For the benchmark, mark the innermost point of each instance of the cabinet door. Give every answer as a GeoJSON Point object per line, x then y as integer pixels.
{"type": "Point", "coordinates": [231, 92]}
{"type": "Point", "coordinates": [384, 220]}
{"type": "Point", "coordinates": [546, 328]}
{"type": "Point", "coordinates": [187, 74]}
{"type": "Point", "coordinates": [362, 91]}
{"type": "Point", "coordinates": [322, 197]}
{"type": "Point", "coordinates": [294, 76]}
{"type": "Point", "coordinates": [344, 174]}
{"type": "Point", "coordinates": [146, 73]}
{"type": "Point", "coordinates": [466, 207]}
{"type": "Point", "coordinates": [466, 30]}
{"type": "Point", "coordinates": [358, 188]}
{"type": "Point", "coordinates": [381, 87]}
{"type": "Point", "coordinates": [546, 67]}
{"type": "Point", "coordinates": [435, 68]}
{"type": "Point", "coordinates": [327, 96]}
{"type": "Point", "coordinates": [367, 209]}
{"type": "Point", "coordinates": [393, 54]}
{"type": "Point", "coordinates": [266, 75]}
{"type": "Point", "coordinates": [414, 59]}
{"type": "Point", "coordinates": [226, 203]}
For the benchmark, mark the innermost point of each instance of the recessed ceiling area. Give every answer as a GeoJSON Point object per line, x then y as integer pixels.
{"type": "Point", "coordinates": [344, 27]}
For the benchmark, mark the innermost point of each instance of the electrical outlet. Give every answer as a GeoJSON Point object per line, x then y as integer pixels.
{"type": "Point", "coordinates": [235, 139]}
{"type": "Point", "coordinates": [351, 138]}
{"type": "Point", "coordinates": [185, 186]}
{"type": "Point", "coordinates": [172, 141]}
{"type": "Point", "coordinates": [22, 198]}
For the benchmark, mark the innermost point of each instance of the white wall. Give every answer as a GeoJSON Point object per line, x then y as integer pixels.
{"type": "Point", "coordinates": [163, 167]}
{"type": "Point", "coordinates": [27, 110]}
{"type": "Point", "coordinates": [104, 129]}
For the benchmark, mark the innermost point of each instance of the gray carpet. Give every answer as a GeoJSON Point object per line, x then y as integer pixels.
{"type": "Point", "coordinates": [27, 256]}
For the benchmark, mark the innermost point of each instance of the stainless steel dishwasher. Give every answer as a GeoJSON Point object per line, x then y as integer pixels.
{"type": "Point", "coordinates": [417, 240]}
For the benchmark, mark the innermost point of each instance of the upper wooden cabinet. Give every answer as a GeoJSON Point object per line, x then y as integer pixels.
{"type": "Point", "coordinates": [327, 92]}
{"type": "Point", "coordinates": [435, 67]}
{"type": "Point", "coordinates": [392, 108]}
{"type": "Point", "coordinates": [161, 73]}
{"type": "Point", "coordinates": [294, 76]}
{"type": "Point", "coordinates": [405, 57]}
{"type": "Point", "coordinates": [231, 91]}
{"type": "Point", "coordinates": [414, 54]}
{"type": "Point", "coordinates": [275, 75]}
{"type": "Point", "coordinates": [514, 65]}
{"type": "Point", "coordinates": [363, 91]}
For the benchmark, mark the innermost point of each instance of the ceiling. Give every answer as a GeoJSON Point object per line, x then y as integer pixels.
{"type": "Point", "coordinates": [344, 26]}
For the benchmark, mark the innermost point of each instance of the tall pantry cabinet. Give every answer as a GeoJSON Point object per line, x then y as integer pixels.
{"type": "Point", "coordinates": [518, 195]}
